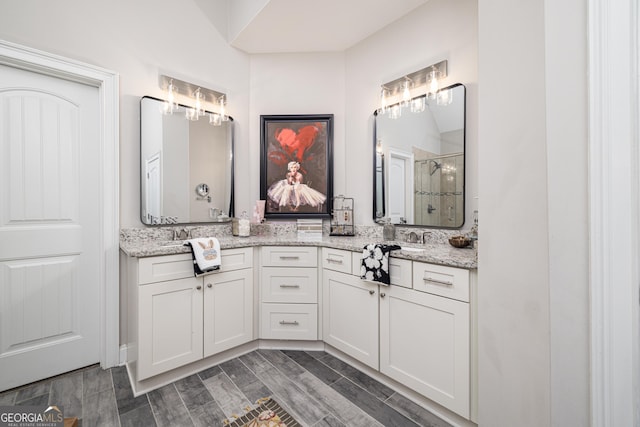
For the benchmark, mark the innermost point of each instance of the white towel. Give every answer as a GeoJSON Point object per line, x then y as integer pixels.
{"type": "Point", "coordinates": [206, 255]}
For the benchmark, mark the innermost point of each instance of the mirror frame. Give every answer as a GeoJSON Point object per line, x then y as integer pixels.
{"type": "Point", "coordinates": [231, 211]}
{"type": "Point", "coordinates": [382, 220]}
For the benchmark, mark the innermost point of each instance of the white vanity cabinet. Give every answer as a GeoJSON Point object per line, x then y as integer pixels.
{"type": "Point", "coordinates": [416, 331]}
{"type": "Point", "coordinates": [289, 293]}
{"type": "Point", "coordinates": [351, 305]}
{"type": "Point", "coordinates": [425, 345]}
{"type": "Point", "coordinates": [177, 318]}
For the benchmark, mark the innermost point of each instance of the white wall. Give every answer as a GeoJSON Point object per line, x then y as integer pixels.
{"type": "Point", "coordinates": [437, 30]}
{"type": "Point", "coordinates": [533, 290]}
{"type": "Point", "coordinates": [139, 40]}
{"type": "Point", "coordinates": [295, 84]}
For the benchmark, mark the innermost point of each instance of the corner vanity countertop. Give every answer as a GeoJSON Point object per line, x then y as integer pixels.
{"type": "Point", "coordinates": [434, 253]}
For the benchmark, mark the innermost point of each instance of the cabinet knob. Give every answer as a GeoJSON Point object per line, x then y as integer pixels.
{"type": "Point", "coordinates": [382, 295]}
{"type": "Point", "coordinates": [198, 287]}
{"type": "Point", "coordinates": [372, 292]}
{"type": "Point", "coordinates": [209, 285]}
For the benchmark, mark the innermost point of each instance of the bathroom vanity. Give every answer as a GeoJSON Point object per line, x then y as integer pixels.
{"type": "Point", "coordinates": [417, 335]}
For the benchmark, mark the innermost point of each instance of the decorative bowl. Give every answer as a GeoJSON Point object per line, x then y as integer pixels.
{"type": "Point", "coordinates": [459, 241]}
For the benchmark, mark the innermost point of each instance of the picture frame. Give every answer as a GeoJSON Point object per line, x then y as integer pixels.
{"type": "Point", "coordinates": [296, 165]}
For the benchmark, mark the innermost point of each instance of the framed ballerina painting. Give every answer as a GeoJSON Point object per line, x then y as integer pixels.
{"type": "Point", "coordinates": [296, 165]}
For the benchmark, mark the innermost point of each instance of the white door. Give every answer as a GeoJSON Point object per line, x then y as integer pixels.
{"type": "Point", "coordinates": [350, 316]}
{"type": "Point", "coordinates": [228, 310]}
{"type": "Point", "coordinates": [49, 226]}
{"type": "Point", "coordinates": [400, 187]}
{"type": "Point", "coordinates": [153, 199]}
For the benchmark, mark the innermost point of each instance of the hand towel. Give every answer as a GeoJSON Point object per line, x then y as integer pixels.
{"type": "Point", "coordinates": [206, 255]}
{"type": "Point", "coordinates": [375, 262]}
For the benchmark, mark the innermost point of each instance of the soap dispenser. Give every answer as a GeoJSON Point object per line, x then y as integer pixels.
{"type": "Point", "coordinates": [389, 230]}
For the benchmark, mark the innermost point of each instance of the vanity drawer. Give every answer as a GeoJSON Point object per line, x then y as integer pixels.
{"type": "Point", "coordinates": [400, 272]}
{"type": "Point", "coordinates": [289, 285]}
{"type": "Point", "coordinates": [164, 267]}
{"type": "Point", "coordinates": [289, 321]}
{"type": "Point", "coordinates": [170, 267]}
{"type": "Point", "coordinates": [289, 256]}
{"type": "Point", "coordinates": [441, 280]}
{"type": "Point", "coordinates": [337, 260]}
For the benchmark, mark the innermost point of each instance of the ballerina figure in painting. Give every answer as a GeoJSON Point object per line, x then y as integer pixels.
{"type": "Point", "coordinates": [292, 192]}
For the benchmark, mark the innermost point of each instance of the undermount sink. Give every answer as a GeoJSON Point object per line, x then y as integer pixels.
{"type": "Point", "coordinates": [410, 249]}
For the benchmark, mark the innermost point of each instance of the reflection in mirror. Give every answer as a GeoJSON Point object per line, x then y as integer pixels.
{"type": "Point", "coordinates": [177, 156]}
{"type": "Point", "coordinates": [419, 162]}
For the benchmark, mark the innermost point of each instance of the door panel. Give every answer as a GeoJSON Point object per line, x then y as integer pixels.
{"type": "Point", "coordinates": [50, 265]}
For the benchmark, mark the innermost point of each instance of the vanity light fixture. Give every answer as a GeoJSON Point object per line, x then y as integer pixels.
{"type": "Point", "coordinates": [197, 98]}
{"type": "Point", "coordinates": [171, 104]}
{"type": "Point", "coordinates": [223, 111]}
{"type": "Point", "coordinates": [424, 81]}
{"type": "Point", "coordinates": [406, 93]}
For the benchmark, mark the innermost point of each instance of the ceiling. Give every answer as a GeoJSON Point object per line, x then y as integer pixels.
{"type": "Point", "coordinates": [317, 25]}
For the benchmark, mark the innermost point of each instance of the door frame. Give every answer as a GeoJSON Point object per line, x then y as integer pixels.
{"type": "Point", "coordinates": [614, 206]}
{"type": "Point", "coordinates": [107, 83]}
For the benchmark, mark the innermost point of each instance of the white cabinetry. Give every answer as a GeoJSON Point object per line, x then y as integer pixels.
{"type": "Point", "coordinates": [424, 344]}
{"type": "Point", "coordinates": [289, 293]}
{"type": "Point", "coordinates": [350, 316]}
{"type": "Point", "coordinates": [416, 331]}
{"type": "Point", "coordinates": [181, 318]}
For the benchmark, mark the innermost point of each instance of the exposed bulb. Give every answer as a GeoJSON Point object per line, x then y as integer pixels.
{"type": "Point", "coordinates": [383, 101]}
{"type": "Point", "coordinates": [223, 112]}
{"type": "Point", "coordinates": [171, 103]}
{"type": "Point", "coordinates": [199, 98]}
{"type": "Point", "coordinates": [215, 119]}
{"type": "Point", "coordinates": [433, 84]}
{"type": "Point", "coordinates": [406, 94]}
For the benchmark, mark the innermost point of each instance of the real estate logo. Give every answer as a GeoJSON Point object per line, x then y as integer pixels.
{"type": "Point", "coordinates": [31, 416]}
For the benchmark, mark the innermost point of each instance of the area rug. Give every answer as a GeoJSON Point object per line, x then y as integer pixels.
{"type": "Point", "coordinates": [267, 414]}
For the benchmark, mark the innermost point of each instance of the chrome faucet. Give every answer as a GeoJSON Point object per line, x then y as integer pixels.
{"type": "Point", "coordinates": [182, 234]}
{"type": "Point", "coordinates": [412, 237]}
{"type": "Point", "coordinates": [425, 235]}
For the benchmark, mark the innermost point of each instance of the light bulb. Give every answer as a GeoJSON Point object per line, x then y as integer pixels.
{"type": "Point", "coordinates": [383, 101]}
{"type": "Point", "coordinates": [433, 84]}
{"type": "Point", "coordinates": [171, 104]}
{"type": "Point", "coordinates": [406, 94]}
{"type": "Point", "coordinates": [223, 112]}
{"type": "Point", "coordinates": [199, 101]}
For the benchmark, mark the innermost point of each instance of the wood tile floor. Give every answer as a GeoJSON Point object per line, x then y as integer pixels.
{"type": "Point", "coordinates": [315, 387]}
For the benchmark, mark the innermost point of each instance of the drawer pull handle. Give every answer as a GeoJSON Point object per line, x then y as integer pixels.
{"type": "Point", "coordinates": [382, 295]}
{"type": "Point", "coordinates": [440, 282]}
{"type": "Point", "coordinates": [285, 322]}
{"type": "Point", "coordinates": [289, 286]}
{"type": "Point", "coordinates": [372, 292]}
{"type": "Point", "coordinates": [334, 261]}
{"type": "Point", "coordinates": [209, 285]}
{"type": "Point", "coordinates": [198, 287]}
{"type": "Point", "coordinates": [289, 257]}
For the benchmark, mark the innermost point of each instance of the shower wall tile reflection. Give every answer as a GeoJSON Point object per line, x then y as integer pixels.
{"type": "Point", "coordinates": [438, 190]}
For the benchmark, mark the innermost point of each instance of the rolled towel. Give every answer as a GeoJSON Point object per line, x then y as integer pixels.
{"type": "Point", "coordinates": [375, 262]}
{"type": "Point", "coordinates": [206, 255]}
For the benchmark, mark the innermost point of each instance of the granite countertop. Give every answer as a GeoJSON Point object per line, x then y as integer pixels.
{"type": "Point", "coordinates": [435, 253]}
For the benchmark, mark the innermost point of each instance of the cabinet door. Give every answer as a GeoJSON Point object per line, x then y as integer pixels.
{"type": "Point", "coordinates": [424, 344]}
{"type": "Point", "coordinates": [350, 316]}
{"type": "Point", "coordinates": [170, 320]}
{"type": "Point", "coordinates": [228, 310]}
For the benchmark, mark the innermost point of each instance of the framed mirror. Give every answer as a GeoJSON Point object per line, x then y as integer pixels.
{"type": "Point", "coordinates": [186, 167]}
{"type": "Point", "coordinates": [419, 161]}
